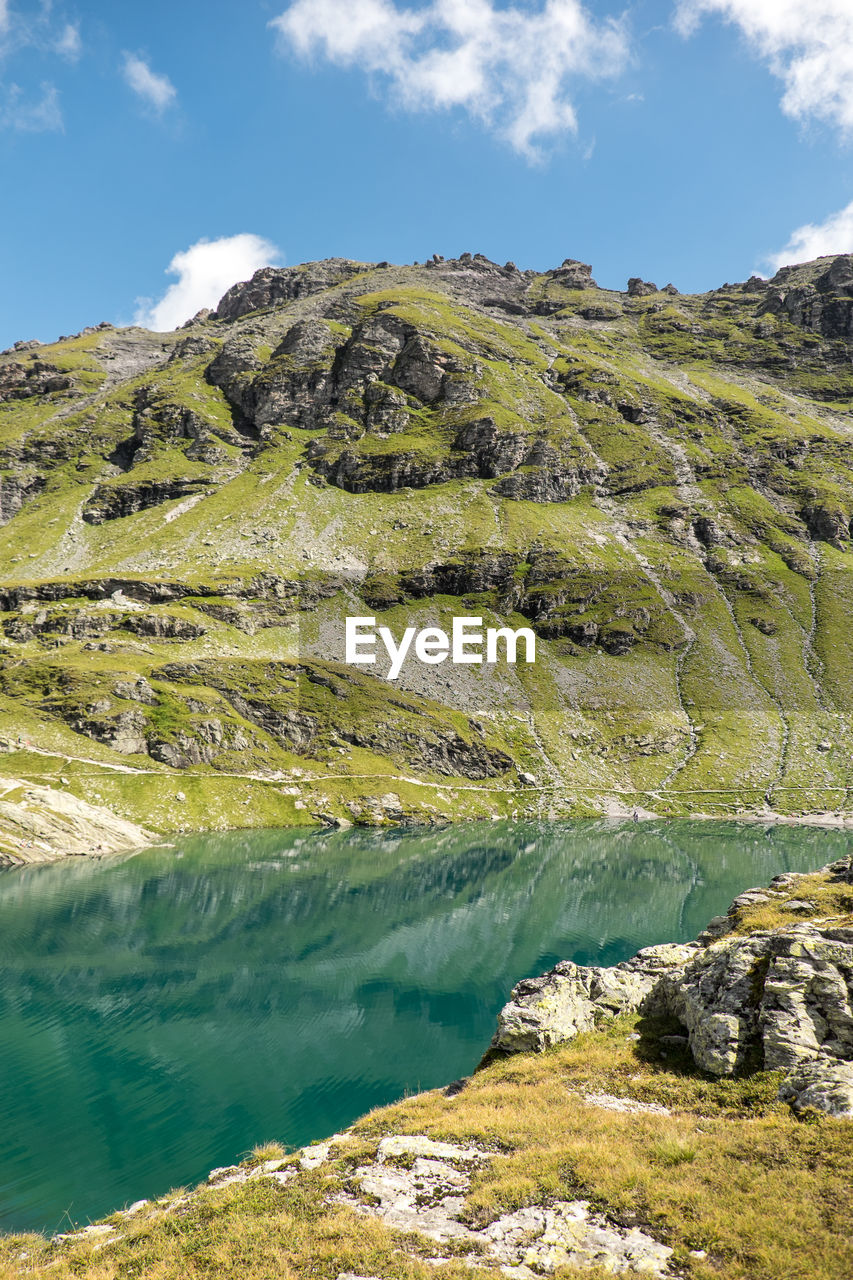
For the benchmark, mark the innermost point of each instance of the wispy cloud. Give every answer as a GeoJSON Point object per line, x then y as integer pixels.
{"type": "Point", "coordinates": [68, 43]}
{"type": "Point", "coordinates": [509, 67]}
{"type": "Point", "coordinates": [808, 44]}
{"type": "Point", "coordinates": [38, 27]}
{"type": "Point", "coordinates": [205, 271]}
{"type": "Point", "coordinates": [39, 115]}
{"type": "Point", "coordinates": [29, 110]}
{"type": "Point", "coordinates": [817, 239]}
{"type": "Point", "coordinates": [155, 90]}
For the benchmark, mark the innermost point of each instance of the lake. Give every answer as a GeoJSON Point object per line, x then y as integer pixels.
{"type": "Point", "coordinates": [164, 1013]}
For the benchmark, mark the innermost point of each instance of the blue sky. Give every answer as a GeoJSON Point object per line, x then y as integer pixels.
{"type": "Point", "coordinates": [687, 140]}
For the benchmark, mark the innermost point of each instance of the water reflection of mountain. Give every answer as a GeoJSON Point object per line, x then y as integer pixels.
{"type": "Point", "coordinates": [162, 1013]}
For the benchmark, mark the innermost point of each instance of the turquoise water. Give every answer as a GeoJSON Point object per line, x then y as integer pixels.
{"type": "Point", "coordinates": [164, 1013]}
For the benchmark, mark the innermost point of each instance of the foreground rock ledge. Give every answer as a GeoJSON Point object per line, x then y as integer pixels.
{"type": "Point", "coordinates": [417, 1185]}
{"type": "Point", "coordinates": [781, 997]}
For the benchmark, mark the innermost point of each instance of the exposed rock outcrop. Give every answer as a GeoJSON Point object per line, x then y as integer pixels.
{"type": "Point", "coordinates": [267, 586]}
{"type": "Point", "coordinates": [272, 286]}
{"type": "Point", "coordinates": [417, 1184]}
{"type": "Point", "coordinates": [158, 421]}
{"type": "Point", "coordinates": [16, 491]}
{"type": "Point", "coordinates": [114, 501]}
{"type": "Point", "coordinates": [781, 998]}
{"type": "Point", "coordinates": [321, 376]}
{"type": "Point", "coordinates": [556, 596]}
{"type": "Point", "coordinates": [149, 592]}
{"type": "Point", "coordinates": [574, 274]}
{"type": "Point", "coordinates": [785, 995]}
{"type": "Point", "coordinates": [79, 625]}
{"type": "Point", "coordinates": [821, 300]}
{"type": "Point", "coordinates": [820, 1086]}
{"type": "Point", "coordinates": [440, 751]}
{"type": "Point", "coordinates": [573, 998]}
{"type": "Point", "coordinates": [41, 824]}
{"type": "Point", "coordinates": [826, 524]}
{"type": "Point", "coordinates": [37, 378]}
{"type": "Point", "coordinates": [638, 288]}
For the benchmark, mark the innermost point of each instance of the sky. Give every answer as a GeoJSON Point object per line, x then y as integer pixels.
{"type": "Point", "coordinates": [154, 152]}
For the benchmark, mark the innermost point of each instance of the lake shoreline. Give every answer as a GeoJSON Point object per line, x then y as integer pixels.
{"type": "Point", "coordinates": [52, 826]}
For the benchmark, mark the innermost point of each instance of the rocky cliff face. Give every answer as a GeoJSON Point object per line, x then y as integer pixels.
{"type": "Point", "coordinates": [817, 297]}
{"type": "Point", "coordinates": [659, 484]}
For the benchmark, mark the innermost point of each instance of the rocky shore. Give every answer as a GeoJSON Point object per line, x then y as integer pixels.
{"type": "Point", "coordinates": [780, 997]}
{"type": "Point", "coordinates": [44, 824]}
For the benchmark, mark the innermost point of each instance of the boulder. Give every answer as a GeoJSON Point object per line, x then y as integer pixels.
{"type": "Point", "coordinates": [821, 1086]}
{"type": "Point", "coordinates": [572, 998]}
{"type": "Point", "coordinates": [638, 288]}
{"type": "Point", "coordinates": [574, 274]}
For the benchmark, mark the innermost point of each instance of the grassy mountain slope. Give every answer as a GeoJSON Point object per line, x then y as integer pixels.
{"type": "Point", "coordinates": [660, 485]}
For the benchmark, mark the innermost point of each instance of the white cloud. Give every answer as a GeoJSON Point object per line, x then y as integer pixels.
{"type": "Point", "coordinates": [68, 43]}
{"type": "Point", "coordinates": [155, 90]}
{"type": "Point", "coordinates": [815, 240]}
{"type": "Point", "coordinates": [4, 16]}
{"type": "Point", "coordinates": [808, 44]}
{"type": "Point", "coordinates": [509, 67]}
{"type": "Point", "coordinates": [43, 115]}
{"type": "Point", "coordinates": [205, 272]}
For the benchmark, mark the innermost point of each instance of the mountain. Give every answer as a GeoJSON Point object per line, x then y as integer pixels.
{"type": "Point", "coordinates": [659, 486]}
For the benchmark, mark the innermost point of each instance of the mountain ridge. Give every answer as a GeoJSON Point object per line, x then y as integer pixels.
{"type": "Point", "coordinates": [657, 483]}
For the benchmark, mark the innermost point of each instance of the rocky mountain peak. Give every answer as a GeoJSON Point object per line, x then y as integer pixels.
{"type": "Point", "coordinates": [815, 295]}
{"type": "Point", "coordinates": [833, 272]}
{"type": "Point", "coordinates": [276, 286]}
